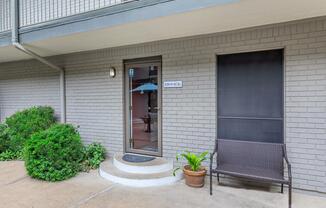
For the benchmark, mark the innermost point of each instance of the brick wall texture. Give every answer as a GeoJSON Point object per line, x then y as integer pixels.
{"type": "Point", "coordinates": [95, 101]}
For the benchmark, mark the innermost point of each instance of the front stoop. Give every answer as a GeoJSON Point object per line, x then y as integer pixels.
{"type": "Point", "coordinates": [157, 172]}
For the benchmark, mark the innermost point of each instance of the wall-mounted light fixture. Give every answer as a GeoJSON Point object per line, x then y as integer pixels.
{"type": "Point", "coordinates": [112, 72]}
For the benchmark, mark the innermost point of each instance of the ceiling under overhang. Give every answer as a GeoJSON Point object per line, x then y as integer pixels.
{"type": "Point", "coordinates": [225, 17]}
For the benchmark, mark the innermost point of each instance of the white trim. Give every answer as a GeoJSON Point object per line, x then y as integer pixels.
{"type": "Point", "coordinates": [151, 169]}
{"type": "Point", "coordinates": [142, 182]}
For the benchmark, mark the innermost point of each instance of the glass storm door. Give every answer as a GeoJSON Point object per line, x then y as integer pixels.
{"type": "Point", "coordinates": [143, 107]}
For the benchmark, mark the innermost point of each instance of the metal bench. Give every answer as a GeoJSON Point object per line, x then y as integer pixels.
{"type": "Point", "coordinates": [255, 161]}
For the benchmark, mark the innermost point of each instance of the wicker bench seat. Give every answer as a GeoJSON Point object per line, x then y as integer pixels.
{"type": "Point", "coordinates": [257, 161]}
{"type": "Point", "coordinates": [251, 172]}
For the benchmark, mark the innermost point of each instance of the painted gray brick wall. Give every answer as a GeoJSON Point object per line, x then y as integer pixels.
{"type": "Point", "coordinates": [27, 83]}
{"type": "Point", "coordinates": [95, 102]}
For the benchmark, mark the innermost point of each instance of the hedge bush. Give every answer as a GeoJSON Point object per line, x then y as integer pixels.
{"type": "Point", "coordinates": [94, 154]}
{"type": "Point", "coordinates": [11, 155]}
{"type": "Point", "coordinates": [54, 154]}
{"type": "Point", "coordinates": [4, 138]}
{"type": "Point", "coordinates": [24, 123]}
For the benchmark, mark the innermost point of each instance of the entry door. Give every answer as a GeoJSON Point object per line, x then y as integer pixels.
{"type": "Point", "coordinates": [250, 96]}
{"type": "Point", "coordinates": [143, 107]}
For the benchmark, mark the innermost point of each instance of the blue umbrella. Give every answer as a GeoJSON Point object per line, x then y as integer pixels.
{"type": "Point", "coordinates": [145, 87]}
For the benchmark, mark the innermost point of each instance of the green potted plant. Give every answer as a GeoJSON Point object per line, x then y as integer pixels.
{"type": "Point", "coordinates": [194, 172]}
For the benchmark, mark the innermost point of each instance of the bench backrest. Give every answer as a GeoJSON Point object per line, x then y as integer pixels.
{"type": "Point", "coordinates": [252, 154]}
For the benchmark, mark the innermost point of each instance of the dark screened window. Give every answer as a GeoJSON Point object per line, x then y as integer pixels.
{"type": "Point", "coordinates": [250, 96]}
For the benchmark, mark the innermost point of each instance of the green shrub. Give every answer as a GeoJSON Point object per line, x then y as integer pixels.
{"type": "Point", "coordinates": [54, 154]}
{"type": "Point", "coordinates": [4, 138]}
{"type": "Point", "coordinates": [94, 155]}
{"type": "Point", "coordinates": [27, 122]}
{"type": "Point", "coordinates": [10, 155]}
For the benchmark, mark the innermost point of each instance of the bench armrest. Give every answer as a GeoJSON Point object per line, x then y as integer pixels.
{"type": "Point", "coordinates": [214, 152]}
{"type": "Point", "coordinates": [212, 155]}
{"type": "Point", "coordinates": [287, 162]}
{"type": "Point", "coordinates": [211, 159]}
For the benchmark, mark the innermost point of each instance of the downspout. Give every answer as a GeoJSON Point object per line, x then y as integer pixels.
{"type": "Point", "coordinates": [16, 44]}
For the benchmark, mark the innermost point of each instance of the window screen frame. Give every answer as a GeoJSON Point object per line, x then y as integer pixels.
{"type": "Point", "coordinates": [283, 95]}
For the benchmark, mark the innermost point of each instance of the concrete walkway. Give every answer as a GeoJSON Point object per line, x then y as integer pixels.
{"type": "Point", "coordinates": [89, 190]}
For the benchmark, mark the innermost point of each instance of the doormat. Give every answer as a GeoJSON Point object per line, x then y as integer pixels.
{"type": "Point", "coordinates": [137, 158]}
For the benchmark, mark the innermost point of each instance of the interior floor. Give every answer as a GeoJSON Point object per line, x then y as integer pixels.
{"type": "Point", "coordinates": [144, 140]}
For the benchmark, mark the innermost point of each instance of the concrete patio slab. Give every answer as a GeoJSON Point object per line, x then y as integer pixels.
{"type": "Point", "coordinates": [89, 190]}
{"type": "Point", "coordinates": [177, 195]}
{"type": "Point", "coordinates": [11, 172]}
{"type": "Point", "coordinates": [181, 196]}
{"type": "Point", "coordinates": [29, 192]}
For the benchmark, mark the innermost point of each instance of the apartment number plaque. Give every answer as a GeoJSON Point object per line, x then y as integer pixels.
{"type": "Point", "coordinates": [173, 84]}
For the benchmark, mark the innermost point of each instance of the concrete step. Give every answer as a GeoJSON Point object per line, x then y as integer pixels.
{"type": "Point", "coordinates": [112, 173]}
{"type": "Point", "coordinates": [158, 165]}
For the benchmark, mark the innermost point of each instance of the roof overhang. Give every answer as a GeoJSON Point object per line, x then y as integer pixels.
{"type": "Point", "coordinates": [230, 15]}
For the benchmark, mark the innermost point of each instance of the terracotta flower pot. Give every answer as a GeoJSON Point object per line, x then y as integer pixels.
{"type": "Point", "coordinates": [194, 178]}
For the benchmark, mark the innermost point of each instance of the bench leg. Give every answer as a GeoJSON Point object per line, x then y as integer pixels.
{"type": "Point", "coordinates": [218, 178]}
{"type": "Point", "coordinates": [210, 183]}
{"type": "Point", "coordinates": [290, 195]}
{"type": "Point", "coordinates": [282, 189]}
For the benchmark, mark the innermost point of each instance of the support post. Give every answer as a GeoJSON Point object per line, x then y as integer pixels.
{"type": "Point", "coordinates": [63, 96]}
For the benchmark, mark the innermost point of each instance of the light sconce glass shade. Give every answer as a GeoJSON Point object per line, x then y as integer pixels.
{"type": "Point", "coordinates": [112, 72]}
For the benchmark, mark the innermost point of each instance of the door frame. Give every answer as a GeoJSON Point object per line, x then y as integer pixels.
{"type": "Point", "coordinates": [126, 103]}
